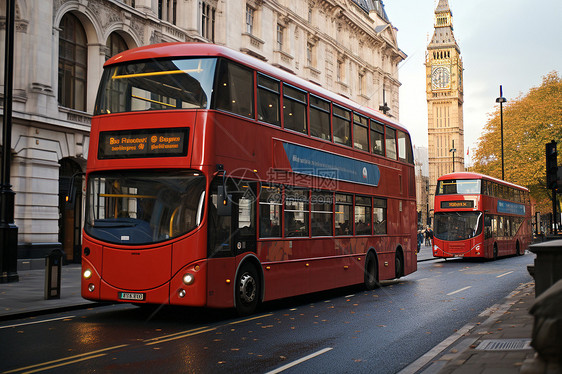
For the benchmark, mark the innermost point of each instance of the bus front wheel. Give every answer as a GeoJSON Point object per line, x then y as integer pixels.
{"type": "Point", "coordinates": [371, 272]}
{"type": "Point", "coordinates": [247, 289]}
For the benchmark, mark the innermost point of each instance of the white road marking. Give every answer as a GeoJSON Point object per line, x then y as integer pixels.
{"type": "Point", "coordinates": [457, 291]}
{"type": "Point", "coordinates": [504, 274]}
{"type": "Point", "coordinates": [299, 361]}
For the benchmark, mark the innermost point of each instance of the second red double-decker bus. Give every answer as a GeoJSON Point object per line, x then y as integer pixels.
{"type": "Point", "coordinates": [217, 180]}
{"type": "Point", "coordinates": [480, 216]}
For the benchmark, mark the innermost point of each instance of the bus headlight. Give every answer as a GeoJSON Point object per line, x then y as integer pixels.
{"type": "Point", "coordinates": [87, 274]}
{"type": "Point", "coordinates": [188, 279]}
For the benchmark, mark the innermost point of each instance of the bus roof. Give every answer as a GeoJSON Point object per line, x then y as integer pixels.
{"type": "Point", "coordinates": [179, 49]}
{"type": "Point", "coordinates": [469, 175]}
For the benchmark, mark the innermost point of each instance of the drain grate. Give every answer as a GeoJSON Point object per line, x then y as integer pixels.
{"type": "Point", "coordinates": [504, 345]}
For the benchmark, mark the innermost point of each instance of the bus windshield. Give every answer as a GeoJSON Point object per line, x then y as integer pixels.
{"type": "Point", "coordinates": [134, 207]}
{"type": "Point", "coordinates": [156, 85]}
{"type": "Point", "coordinates": [457, 225]}
{"type": "Point", "coordinates": [458, 186]}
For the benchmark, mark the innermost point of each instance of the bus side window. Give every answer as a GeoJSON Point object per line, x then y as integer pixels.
{"type": "Point", "coordinates": [344, 214]}
{"type": "Point", "coordinates": [379, 216]}
{"type": "Point", "coordinates": [270, 212]}
{"type": "Point", "coordinates": [234, 89]}
{"type": "Point", "coordinates": [487, 227]}
{"type": "Point", "coordinates": [244, 217]}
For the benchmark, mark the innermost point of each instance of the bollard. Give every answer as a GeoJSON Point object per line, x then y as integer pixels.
{"type": "Point", "coordinates": [548, 264]}
{"type": "Point", "coordinates": [547, 332]}
{"type": "Point", "coordinates": [53, 263]}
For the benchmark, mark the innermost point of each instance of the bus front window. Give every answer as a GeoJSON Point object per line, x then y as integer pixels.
{"type": "Point", "coordinates": [459, 186]}
{"type": "Point", "coordinates": [453, 226]}
{"type": "Point", "coordinates": [133, 207]}
{"type": "Point", "coordinates": [156, 85]}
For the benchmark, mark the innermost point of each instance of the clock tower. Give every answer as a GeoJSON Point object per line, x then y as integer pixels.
{"type": "Point", "coordinates": [444, 88]}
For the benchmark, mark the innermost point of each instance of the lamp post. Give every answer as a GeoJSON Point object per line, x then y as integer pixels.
{"type": "Point", "coordinates": [384, 108]}
{"type": "Point", "coordinates": [8, 229]}
{"type": "Point", "coordinates": [501, 100]}
{"type": "Point", "coordinates": [453, 150]}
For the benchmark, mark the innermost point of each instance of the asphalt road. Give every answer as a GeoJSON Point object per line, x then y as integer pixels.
{"type": "Point", "coordinates": [345, 330]}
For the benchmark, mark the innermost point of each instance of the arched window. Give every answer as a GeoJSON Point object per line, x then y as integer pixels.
{"type": "Point", "coordinates": [73, 55]}
{"type": "Point", "coordinates": [115, 44]}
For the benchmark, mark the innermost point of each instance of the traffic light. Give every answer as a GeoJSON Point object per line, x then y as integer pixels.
{"type": "Point", "coordinates": [551, 165]}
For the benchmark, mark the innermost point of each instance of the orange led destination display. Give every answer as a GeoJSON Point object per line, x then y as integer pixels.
{"type": "Point", "coordinates": [171, 142]}
{"type": "Point", "coordinates": [457, 204]}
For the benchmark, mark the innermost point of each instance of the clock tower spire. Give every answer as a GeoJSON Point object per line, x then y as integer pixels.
{"type": "Point", "coordinates": [444, 88]}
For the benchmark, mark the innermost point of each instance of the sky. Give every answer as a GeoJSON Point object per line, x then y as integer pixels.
{"type": "Point", "coordinates": [513, 43]}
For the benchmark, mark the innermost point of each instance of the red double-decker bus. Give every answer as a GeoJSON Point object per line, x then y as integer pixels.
{"type": "Point", "coordinates": [480, 216]}
{"type": "Point", "coordinates": [217, 180]}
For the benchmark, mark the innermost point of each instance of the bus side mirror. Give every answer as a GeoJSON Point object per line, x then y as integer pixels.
{"type": "Point", "coordinates": [224, 202]}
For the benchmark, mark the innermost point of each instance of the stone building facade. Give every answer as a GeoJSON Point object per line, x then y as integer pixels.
{"type": "Point", "coordinates": [348, 46]}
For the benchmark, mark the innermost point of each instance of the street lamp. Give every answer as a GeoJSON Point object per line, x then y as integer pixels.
{"type": "Point", "coordinates": [8, 229]}
{"type": "Point", "coordinates": [453, 150]}
{"type": "Point", "coordinates": [384, 108]}
{"type": "Point", "coordinates": [501, 100]}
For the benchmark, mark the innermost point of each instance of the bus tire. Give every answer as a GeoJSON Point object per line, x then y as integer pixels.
{"type": "Point", "coordinates": [399, 264]}
{"type": "Point", "coordinates": [495, 252]}
{"type": "Point", "coordinates": [518, 249]}
{"type": "Point", "coordinates": [371, 272]}
{"type": "Point", "coordinates": [247, 292]}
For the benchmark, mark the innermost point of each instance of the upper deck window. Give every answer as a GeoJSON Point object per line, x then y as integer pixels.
{"type": "Point", "coordinates": [268, 100]}
{"type": "Point", "coordinates": [156, 85]}
{"type": "Point", "coordinates": [234, 89]}
{"type": "Point", "coordinates": [360, 132]}
{"type": "Point", "coordinates": [319, 118]}
{"type": "Point", "coordinates": [405, 148]}
{"type": "Point", "coordinates": [341, 121]}
{"type": "Point", "coordinates": [294, 109]}
{"type": "Point", "coordinates": [391, 143]}
{"type": "Point", "coordinates": [458, 186]}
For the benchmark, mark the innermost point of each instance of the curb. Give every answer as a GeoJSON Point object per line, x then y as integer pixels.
{"type": "Point", "coordinates": [61, 309]}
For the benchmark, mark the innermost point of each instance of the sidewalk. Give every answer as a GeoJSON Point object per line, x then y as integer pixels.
{"type": "Point", "coordinates": [27, 297]}
{"type": "Point", "coordinates": [500, 343]}
{"type": "Point", "coordinates": [425, 253]}
{"type": "Point", "coordinates": [497, 343]}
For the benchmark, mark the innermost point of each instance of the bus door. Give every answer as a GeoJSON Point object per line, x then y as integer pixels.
{"type": "Point", "coordinates": [232, 218]}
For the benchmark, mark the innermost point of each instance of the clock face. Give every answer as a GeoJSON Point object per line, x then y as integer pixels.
{"type": "Point", "coordinates": [440, 77]}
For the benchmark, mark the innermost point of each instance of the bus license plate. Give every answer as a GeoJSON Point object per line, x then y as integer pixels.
{"type": "Point", "coordinates": [131, 296]}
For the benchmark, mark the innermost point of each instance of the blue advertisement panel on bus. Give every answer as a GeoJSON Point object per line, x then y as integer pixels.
{"type": "Point", "coordinates": [318, 163]}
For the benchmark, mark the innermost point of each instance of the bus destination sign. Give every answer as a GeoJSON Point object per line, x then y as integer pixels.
{"type": "Point", "coordinates": [169, 142]}
{"type": "Point", "coordinates": [457, 204]}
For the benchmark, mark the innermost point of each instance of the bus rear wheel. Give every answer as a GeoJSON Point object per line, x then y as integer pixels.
{"type": "Point", "coordinates": [399, 265]}
{"type": "Point", "coordinates": [247, 289]}
{"type": "Point", "coordinates": [518, 249]}
{"type": "Point", "coordinates": [371, 272]}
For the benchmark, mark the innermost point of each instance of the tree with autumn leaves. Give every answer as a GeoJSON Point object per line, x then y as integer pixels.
{"type": "Point", "coordinates": [529, 122]}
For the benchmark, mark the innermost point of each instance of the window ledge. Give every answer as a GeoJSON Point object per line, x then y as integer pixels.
{"type": "Point", "coordinates": [253, 40]}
